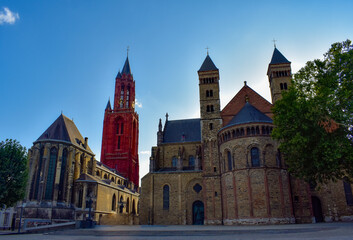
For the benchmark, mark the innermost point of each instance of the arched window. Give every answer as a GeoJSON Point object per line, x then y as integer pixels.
{"type": "Point", "coordinates": [248, 131]}
{"type": "Point", "coordinates": [191, 161]}
{"type": "Point", "coordinates": [51, 174]}
{"type": "Point", "coordinates": [121, 205]}
{"type": "Point", "coordinates": [127, 205]}
{"type": "Point", "coordinates": [127, 97]}
{"type": "Point", "coordinates": [166, 197]}
{"type": "Point", "coordinates": [208, 108]}
{"type": "Point", "coordinates": [212, 109]}
{"type": "Point", "coordinates": [252, 131]}
{"type": "Point", "coordinates": [174, 162]}
{"type": "Point", "coordinates": [242, 132]}
{"type": "Point", "coordinates": [133, 211]}
{"type": "Point", "coordinates": [97, 173]}
{"type": "Point", "coordinates": [117, 128]}
{"type": "Point", "coordinates": [285, 86]}
{"type": "Point", "coordinates": [61, 192]}
{"type": "Point", "coordinates": [255, 158]}
{"type": "Point", "coordinates": [211, 126]}
{"type": "Point", "coordinates": [119, 181]}
{"type": "Point", "coordinates": [122, 97]}
{"type": "Point", "coordinates": [229, 160]}
{"type": "Point", "coordinates": [211, 93]}
{"type": "Point", "coordinates": [257, 130]}
{"type": "Point", "coordinates": [112, 179]}
{"type": "Point", "coordinates": [105, 176]}
{"type": "Point", "coordinates": [207, 93]}
{"type": "Point", "coordinates": [281, 85]}
{"type": "Point", "coordinates": [114, 203]}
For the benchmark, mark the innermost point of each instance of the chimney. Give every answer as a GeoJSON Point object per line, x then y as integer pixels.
{"type": "Point", "coordinates": [85, 144]}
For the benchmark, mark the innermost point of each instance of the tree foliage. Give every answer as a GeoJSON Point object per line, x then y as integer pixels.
{"type": "Point", "coordinates": [13, 172]}
{"type": "Point", "coordinates": [314, 119]}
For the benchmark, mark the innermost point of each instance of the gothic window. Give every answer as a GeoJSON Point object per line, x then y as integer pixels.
{"type": "Point", "coordinates": [348, 192]}
{"type": "Point", "coordinates": [133, 211]}
{"type": "Point", "coordinates": [122, 128]}
{"type": "Point", "coordinates": [62, 176]}
{"type": "Point", "coordinates": [257, 130]}
{"type": "Point", "coordinates": [51, 174]}
{"type": "Point", "coordinates": [127, 205]}
{"type": "Point", "coordinates": [121, 205]}
{"type": "Point", "coordinates": [237, 133]}
{"type": "Point", "coordinates": [207, 93]}
{"type": "Point", "coordinates": [166, 197]}
{"type": "Point", "coordinates": [122, 97]}
{"type": "Point", "coordinates": [211, 126]}
{"type": "Point", "coordinates": [242, 132]}
{"type": "Point", "coordinates": [114, 203]}
{"type": "Point", "coordinates": [285, 86]}
{"type": "Point", "coordinates": [117, 128]}
{"type": "Point", "coordinates": [212, 108]}
{"type": "Point", "coordinates": [119, 142]}
{"type": "Point", "coordinates": [174, 162]}
{"type": "Point", "coordinates": [281, 85]}
{"type": "Point", "coordinates": [191, 161]}
{"type": "Point", "coordinates": [112, 179]}
{"type": "Point", "coordinates": [97, 173]}
{"type": "Point", "coordinates": [211, 93]}
{"type": "Point", "coordinates": [252, 131]}
{"type": "Point", "coordinates": [127, 97]}
{"type": "Point", "coordinates": [208, 108]}
{"type": "Point", "coordinates": [255, 158]}
{"type": "Point", "coordinates": [105, 176]}
{"type": "Point", "coordinates": [229, 160]}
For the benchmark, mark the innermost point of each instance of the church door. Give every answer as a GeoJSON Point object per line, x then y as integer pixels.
{"type": "Point", "coordinates": [197, 213]}
{"type": "Point", "coordinates": [317, 210]}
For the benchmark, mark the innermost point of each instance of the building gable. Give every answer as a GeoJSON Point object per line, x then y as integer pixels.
{"type": "Point", "coordinates": [246, 94]}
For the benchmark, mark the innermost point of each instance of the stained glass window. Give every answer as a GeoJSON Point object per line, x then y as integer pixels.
{"type": "Point", "coordinates": [51, 174]}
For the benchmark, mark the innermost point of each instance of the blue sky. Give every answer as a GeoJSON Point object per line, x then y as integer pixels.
{"type": "Point", "coordinates": [64, 55]}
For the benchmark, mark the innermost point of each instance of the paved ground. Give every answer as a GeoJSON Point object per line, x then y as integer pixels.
{"type": "Point", "coordinates": [337, 231]}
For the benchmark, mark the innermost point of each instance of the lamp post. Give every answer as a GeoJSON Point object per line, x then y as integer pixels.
{"type": "Point", "coordinates": [19, 226]}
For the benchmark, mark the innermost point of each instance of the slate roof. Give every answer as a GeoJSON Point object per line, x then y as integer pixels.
{"type": "Point", "coordinates": [249, 114]}
{"type": "Point", "coordinates": [207, 65]}
{"type": "Point", "coordinates": [188, 130]}
{"type": "Point", "coordinates": [277, 57]}
{"type": "Point", "coordinates": [126, 68]}
{"type": "Point", "coordinates": [64, 129]}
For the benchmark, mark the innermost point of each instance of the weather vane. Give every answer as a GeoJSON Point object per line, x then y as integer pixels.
{"type": "Point", "coordinates": [274, 42]}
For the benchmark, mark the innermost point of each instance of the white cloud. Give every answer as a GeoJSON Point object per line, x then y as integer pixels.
{"type": "Point", "coordinates": [6, 16]}
{"type": "Point", "coordinates": [138, 104]}
{"type": "Point", "coordinates": [145, 152]}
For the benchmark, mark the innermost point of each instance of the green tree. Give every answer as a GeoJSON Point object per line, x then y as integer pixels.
{"type": "Point", "coordinates": [13, 172]}
{"type": "Point", "coordinates": [314, 119]}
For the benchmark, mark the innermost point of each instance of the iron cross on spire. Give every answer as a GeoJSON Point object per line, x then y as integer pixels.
{"type": "Point", "coordinates": [207, 50]}
{"type": "Point", "coordinates": [274, 42]}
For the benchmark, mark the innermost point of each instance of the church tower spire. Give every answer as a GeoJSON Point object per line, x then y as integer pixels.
{"type": "Point", "coordinates": [279, 74]}
{"type": "Point", "coordinates": [211, 123]}
{"type": "Point", "coordinates": [121, 128]}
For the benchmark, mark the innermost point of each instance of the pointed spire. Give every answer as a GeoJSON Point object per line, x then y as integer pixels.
{"type": "Point", "coordinates": [207, 65]}
{"type": "Point", "coordinates": [278, 58]}
{"type": "Point", "coordinates": [126, 68]}
{"type": "Point", "coordinates": [108, 107]}
{"type": "Point", "coordinates": [160, 125]}
{"type": "Point", "coordinates": [119, 75]}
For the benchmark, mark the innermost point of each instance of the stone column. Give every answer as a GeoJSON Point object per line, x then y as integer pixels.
{"type": "Point", "coordinates": [57, 174]}
{"type": "Point", "coordinates": [44, 171]}
{"type": "Point", "coordinates": [84, 195]}
{"type": "Point", "coordinates": [33, 162]}
{"type": "Point", "coordinates": [77, 163]}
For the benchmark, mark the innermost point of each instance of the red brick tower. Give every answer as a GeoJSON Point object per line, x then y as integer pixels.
{"type": "Point", "coordinates": [121, 128]}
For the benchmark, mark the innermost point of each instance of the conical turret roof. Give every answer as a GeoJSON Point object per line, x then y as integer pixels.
{"type": "Point", "coordinates": [108, 107]}
{"type": "Point", "coordinates": [126, 68]}
{"type": "Point", "coordinates": [277, 57]}
{"type": "Point", "coordinates": [207, 65]}
{"type": "Point", "coordinates": [249, 114]}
